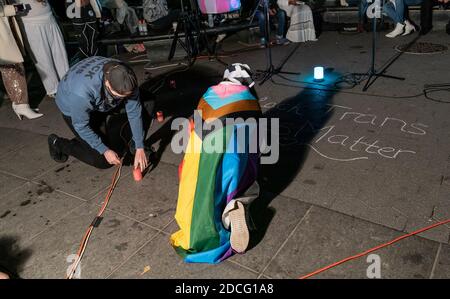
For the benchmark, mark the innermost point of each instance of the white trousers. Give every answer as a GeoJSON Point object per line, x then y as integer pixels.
{"type": "Point", "coordinates": [47, 47]}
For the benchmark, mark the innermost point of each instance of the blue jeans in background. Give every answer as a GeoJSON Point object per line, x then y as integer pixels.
{"type": "Point", "coordinates": [397, 12]}
{"type": "Point", "coordinates": [281, 17]}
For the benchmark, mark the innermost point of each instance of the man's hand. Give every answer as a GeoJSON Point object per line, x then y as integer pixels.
{"type": "Point", "coordinates": [112, 157]}
{"type": "Point", "coordinates": [292, 2]}
{"type": "Point", "coordinates": [140, 159]}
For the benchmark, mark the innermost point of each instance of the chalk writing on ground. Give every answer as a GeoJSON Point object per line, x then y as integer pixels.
{"type": "Point", "coordinates": [333, 137]}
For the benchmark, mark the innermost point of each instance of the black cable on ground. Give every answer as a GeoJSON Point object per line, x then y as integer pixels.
{"type": "Point", "coordinates": [355, 79]}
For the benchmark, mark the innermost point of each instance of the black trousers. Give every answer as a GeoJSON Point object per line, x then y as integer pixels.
{"type": "Point", "coordinates": [86, 28]}
{"type": "Point", "coordinates": [426, 15]}
{"type": "Point", "coordinates": [166, 22]}
{"type": "Point", "coordinates": [114, 130]}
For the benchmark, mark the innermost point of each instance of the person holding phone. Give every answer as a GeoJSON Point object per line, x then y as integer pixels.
{"type": "Point", "coordinates": [11, 60]}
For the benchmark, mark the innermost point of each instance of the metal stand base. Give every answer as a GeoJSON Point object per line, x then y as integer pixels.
{"type": "Point", "coordinates": [373, 74]}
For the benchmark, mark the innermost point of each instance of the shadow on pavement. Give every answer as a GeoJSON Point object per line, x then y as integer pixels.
{"type": "Point", "coordinates": [301, 117]}
{"type": "Point", "coordinates": [12, 258]}
{"type": "Point", "coordinates": [177, 95]}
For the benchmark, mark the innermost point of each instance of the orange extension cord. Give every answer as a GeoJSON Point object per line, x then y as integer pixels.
{"type": "Point", "coordinates": [374, 249]}
{"type": "Point", "coordinates": [96, 221]}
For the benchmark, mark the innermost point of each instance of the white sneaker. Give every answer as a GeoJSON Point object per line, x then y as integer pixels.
{"type": "Point", "coordinates": [409, 28]}
{"type": "Point", "coordinates": [399, 29]}
{"type": "Point", "coordinates": [240, 235]}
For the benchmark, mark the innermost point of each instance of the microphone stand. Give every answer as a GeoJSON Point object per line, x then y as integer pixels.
{"type": "Point", "coordinates": [270, 70]}
{"type": "Point", "coordinates": [373, 73]}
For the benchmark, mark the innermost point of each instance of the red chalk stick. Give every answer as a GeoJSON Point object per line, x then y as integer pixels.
{"type": "Point", "coordinates": [137, 174]}
{"type": "Point", "coordinates": [160, 116]}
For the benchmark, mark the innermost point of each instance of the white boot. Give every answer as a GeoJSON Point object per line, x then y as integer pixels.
{"type": "Point", "coordinates": [25, 110]}
{"type": "Point", "coordinates": [409, 28]}
{"type": "Point", "coordinates": [399, 28]}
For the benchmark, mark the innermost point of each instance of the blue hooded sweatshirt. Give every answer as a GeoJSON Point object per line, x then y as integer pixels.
{"type": "Point", "coordinates": [80, 93]}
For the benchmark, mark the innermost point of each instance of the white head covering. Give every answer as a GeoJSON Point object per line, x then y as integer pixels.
{"type": "Point", "coordinates": [240, 74]}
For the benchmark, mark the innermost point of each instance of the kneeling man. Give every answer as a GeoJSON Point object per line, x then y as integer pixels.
{"type": "Point", "coordinates": [89, 97]}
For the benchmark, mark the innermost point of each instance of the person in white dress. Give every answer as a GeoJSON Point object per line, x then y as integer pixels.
{"type": "Point", "coordinates": [45, 42]}
{"type": "Point", "coordinates": [301, 27]}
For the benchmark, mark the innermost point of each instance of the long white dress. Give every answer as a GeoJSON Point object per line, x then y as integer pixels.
{"type": "Point", "coordinates": [46, 43]}
{"type": "Point", "coordinates": [301, 28]}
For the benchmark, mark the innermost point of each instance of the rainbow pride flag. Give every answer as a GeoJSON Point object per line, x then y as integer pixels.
{"type": "Point", "coordinates": [218, 6]}
{"type": "Point", "coordinates": [211, 179]}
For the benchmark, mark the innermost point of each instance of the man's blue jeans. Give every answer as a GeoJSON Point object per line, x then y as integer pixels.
{"type": "Point", "coordinates": [281, 17]}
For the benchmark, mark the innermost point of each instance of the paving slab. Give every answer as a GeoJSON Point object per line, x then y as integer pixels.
{"type": "Point", "coordinates": [325, 237]}
{"type": "Point", "coordinates": [275, 218]}
{"type": "Point", "coordinates": [9, 183]}
{"type": "Point", "coordinates": [14, 140]}
{"type": "Point", "coordinates": [442, 270]}
{"type": "Point", "coordinates": [32, 209]}
{"type": "Point", "coordinates": [151, 201]}
{"type": "Point", "coordinates": [29, 162]}
{"type": "Point", "coordinates": [164, 262]}
{"type": "Point", "coordinates": [77, 178]}
{"type": "Point", "coordinates": [111, 243]}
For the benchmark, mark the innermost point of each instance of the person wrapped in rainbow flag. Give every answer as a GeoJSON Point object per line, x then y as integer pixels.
{"type": "Point", "coordinates": [219, 170]}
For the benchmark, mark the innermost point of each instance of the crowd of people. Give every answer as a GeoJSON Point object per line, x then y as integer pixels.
{"type": "Point", "coordinates": [397, 11]}
{"type": "Point", "coordinates": [29, 27]}
{"type": "Point", "coordinates": [90, 94]}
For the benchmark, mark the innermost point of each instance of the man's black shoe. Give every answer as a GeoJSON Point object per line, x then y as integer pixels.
{"type": "Point", "coordinates": [55, 151]}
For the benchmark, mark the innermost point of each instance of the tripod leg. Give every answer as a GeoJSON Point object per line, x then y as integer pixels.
{"type": "Point", "coordinates": [391, 77]}
{"type": "Point", "coordinates": [373, 74]}
{"type": "Point", "coordinates": [287, 73]}
{"type": "Point", "coordinates": [369, 82]}
{"type": "Point", "coordinates": [174, 45]}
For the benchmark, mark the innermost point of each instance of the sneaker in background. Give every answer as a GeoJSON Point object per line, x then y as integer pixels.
{"type": "Point", "coordinates": [281, 41]}
{"type": "Point", "coordinates": [263, 43]}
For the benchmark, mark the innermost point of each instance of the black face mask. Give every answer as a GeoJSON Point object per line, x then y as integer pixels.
{"type": "Point", "coordinates": [110, 101]}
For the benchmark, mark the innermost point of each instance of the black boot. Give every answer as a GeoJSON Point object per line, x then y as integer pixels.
{"type": "Point", "coordinates": [55, 151]}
